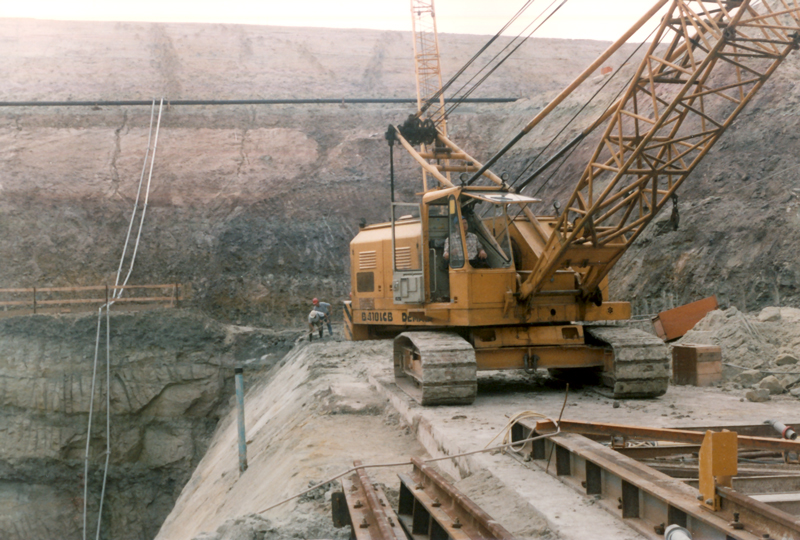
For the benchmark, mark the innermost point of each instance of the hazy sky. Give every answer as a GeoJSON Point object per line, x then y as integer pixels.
{"type": "Point", "coordinates": [591, 19]}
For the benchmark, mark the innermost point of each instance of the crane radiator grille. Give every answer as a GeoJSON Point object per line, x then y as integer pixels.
{"type": "Point", "coordinates": [367, 260]}
{"type": "Point", "coordinates": [402, 258]}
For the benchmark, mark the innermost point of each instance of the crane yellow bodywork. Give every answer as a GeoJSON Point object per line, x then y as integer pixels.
{"type": "Point", "coordinates": [539, 297]}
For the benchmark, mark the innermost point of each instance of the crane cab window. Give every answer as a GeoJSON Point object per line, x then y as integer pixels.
{"type": "Point", "coordinates": [492, 232]}
{"type": "Point", "coordinates": [492, 223]}
{"type": "Point", "coordinates": [454, 249]}
{"type": "Point", "coordinates": [483, 241]}
{"type": "Point", "coordinates": [438, 236]}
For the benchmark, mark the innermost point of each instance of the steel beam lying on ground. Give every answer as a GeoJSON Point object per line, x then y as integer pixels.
{"type": "Point", "coordinates": [689, 472]}
{"type": "Point", "coordinates": [430, 507]}
{"type": "Point", "coordinates": [364, 507]}
{"type": "Point", "coordinates": [644, 498]}
{"type": "Point", "coordinates": [673, 435]}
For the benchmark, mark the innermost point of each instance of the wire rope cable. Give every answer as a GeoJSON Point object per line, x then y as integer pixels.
{"type": "Point", "coordinates": [455, 103]}
{"type": "Point", "coordinates": [569, 154]}
{"type": "Point", "coordinates": [89, 431]}
{"type": "Point", "coordinates": [583, 107]}
{"type": "Point", "coordinates": [116, 294]}
{"type": "Point", "coordinates": [434, 98]}
{"type": "Point", "coordinates": [506, 431]}
{"type": "Point", "coordinates": [108, 421]}
{"type": "Point", "coordinates": [566, 156]}
{"type": "Point", "coordinates": [138, 194]}
{"type": "Point", "coordinates": [568, 123]}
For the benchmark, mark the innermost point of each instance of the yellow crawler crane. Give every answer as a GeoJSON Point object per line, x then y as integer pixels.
{"type": "Point", "coordinates": [537, 295]}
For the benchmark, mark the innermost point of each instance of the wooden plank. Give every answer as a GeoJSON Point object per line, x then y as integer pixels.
{"type": "Point", "coordinates": [35, 300]}
{"type": "Point", "coordinates": [708, 368]}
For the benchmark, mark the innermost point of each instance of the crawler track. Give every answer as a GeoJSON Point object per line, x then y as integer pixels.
{"type": "Point", "coordinates": [435, 368]}
{"type": "Point", "coordinates": [641, 362]}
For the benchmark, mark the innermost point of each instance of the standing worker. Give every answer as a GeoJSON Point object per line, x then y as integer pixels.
{"type": "Point", "coordinates": [315, 319]}
{"type": "Point", "coordinates": [325, 309]}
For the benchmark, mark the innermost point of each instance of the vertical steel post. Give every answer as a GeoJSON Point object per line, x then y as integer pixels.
{"type": "Point", "coordinates": [34, 300]}
{"type": "Point", "coordinates": [240, 406]}
{"type": "Point", "coordinates": [391, 168]}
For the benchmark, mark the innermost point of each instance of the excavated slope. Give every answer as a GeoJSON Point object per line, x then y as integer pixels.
{"type": "Point", "coordinates": [254, 206]}
{"type": "Point", "coordinates": [171, 376]}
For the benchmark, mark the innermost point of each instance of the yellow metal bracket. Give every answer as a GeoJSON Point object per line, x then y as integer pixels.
{"type": "Point", "coordinates": [718, 465]}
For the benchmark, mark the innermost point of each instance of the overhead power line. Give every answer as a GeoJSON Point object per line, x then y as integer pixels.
{"type": "Point", "coordinates": [322, 101]}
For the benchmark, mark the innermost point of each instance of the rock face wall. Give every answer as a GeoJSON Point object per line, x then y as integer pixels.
{"type": "Point", "coordinates": [171, 375]}
{"type": "Point", "coordinates": [254, 206]}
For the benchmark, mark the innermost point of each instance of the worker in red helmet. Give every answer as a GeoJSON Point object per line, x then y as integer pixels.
{"type": "Point", "coordinates": [324, 308]}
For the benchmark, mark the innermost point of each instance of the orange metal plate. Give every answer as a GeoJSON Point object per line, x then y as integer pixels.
{"type": "Point", "coordinates": [674, 323]}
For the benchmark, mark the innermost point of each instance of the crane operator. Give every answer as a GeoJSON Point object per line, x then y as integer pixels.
{"type": "Point", "coordinates": [475, 250]}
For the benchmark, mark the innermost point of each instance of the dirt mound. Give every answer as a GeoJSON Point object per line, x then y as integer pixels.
{"type": "Point", "coordinates": [767, 343]}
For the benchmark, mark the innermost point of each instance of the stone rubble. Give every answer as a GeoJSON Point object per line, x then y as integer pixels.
{"type": "Point", "coordinates": [759, 351]}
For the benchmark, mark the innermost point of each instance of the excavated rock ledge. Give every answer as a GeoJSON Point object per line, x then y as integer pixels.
{"type": "Point", "coordinates": [307, 420]}
{"type": "Point", "coordinates": [171, 377]}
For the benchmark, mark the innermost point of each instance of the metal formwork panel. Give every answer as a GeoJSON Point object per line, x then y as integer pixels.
{"type": "Point", "coordinates": [649, 500]}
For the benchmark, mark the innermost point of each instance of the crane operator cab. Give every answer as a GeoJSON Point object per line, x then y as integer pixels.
{"type": "Point", "coordinates": [467, 245]}
{"type": "Point", "coordinates": [460, 241]}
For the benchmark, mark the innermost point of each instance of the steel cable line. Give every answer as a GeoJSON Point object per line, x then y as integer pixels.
{"type": "Point", "coordinates": [455, 103]}
{"type": "Point", "coordinates": [567, 156]}
{"type": "Point", "coordinates": [107, 306]}
{"type": "Point", "coordinates": [583, 107]}
{"type": "Point", "coordinates": [563, 160]}
{"type": "Point", "coordinates": [144, 207]}
{"type": "Point", "coordinates": [435, 97]}
{"type": "Point", "coordinates": [575, 147]}
{"type": "Point", "coordinates": [138, 195]}
{"type": "Point", "coordinates": [482, 50]}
